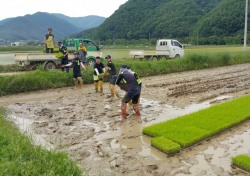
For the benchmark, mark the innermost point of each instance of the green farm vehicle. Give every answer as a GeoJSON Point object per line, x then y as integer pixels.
{"type": "Point", "coordinates": [51, 62]}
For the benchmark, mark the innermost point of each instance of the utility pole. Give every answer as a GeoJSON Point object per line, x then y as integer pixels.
{"type": "Point", "coordinates": [245, 33]}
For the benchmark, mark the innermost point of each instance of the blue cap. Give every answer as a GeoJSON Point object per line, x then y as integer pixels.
{"type": "Point", "coordinates": [75, 53]}
{"type": "Point", "coordinates": [108, 57]}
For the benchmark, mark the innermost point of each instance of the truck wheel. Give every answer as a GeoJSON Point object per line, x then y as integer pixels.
{"type": "Point", "coordinates": [177, 56]}
{"type": "Point", "coordinates": [154, 58]}
{"type": "Point", "coordinates": [50, 66]}
{"type": "Point", "coordinates": [91, 62]}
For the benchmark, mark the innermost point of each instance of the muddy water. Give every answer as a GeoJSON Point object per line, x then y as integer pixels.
{"type": "Point", "coordinates": [87, 125]}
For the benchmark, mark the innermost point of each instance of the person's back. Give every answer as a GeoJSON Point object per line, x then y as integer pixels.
{"type": "Point", "coordinates": [112, 70]}
{"type": "Point", "coordinates": [129, 77]}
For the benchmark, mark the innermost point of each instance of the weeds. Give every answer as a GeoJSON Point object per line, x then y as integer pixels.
{"type": "Point", "coordinates": [19, 157]}
{"type": "Point", "coordinates": [41, 79]}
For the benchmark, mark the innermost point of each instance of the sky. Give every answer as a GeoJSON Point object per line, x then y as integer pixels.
{"type": "Point", "coordinates": [72, 8]}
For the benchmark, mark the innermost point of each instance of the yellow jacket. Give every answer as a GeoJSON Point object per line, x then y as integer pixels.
{"type": "Point", "coordinates": [82, 48]}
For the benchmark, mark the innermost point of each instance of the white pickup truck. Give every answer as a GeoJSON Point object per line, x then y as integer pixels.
{"type": "Point", "coordinates": [165, 48]}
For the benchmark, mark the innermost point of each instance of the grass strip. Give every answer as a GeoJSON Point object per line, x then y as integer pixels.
{"type": "Point", "coordinates": [19, 157]}
{"type": "Point", "coordinates": [192, 128]}
{"type": "Point", "coordinates": [165, 145]}
{"type": "Point", "coordinates": [242, 161]}
{"type": "Point", "coordinates": [40, 79]}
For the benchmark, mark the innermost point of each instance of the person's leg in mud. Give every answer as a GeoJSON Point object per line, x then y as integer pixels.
{"type": "Point", "coordinates": [75, 82]}
{"type": "Point", "coordinates": [79, 79]}
{"type": "Point", "coordinates": [135, 102]}
{"type": "Point", "coordinates": [136, 108]}
{"type": "Point", "coordinates": [112, 87]}
{"type": "Point", "coordinates": [127, 98]}
{"type": "Point", "coordinates": [96, 82]}
{"type": "Point", "coordinates": [101, 86]}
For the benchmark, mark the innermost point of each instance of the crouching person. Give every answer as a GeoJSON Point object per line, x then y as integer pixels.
{"type": "Point", "coordinates": [77, 65]}
{"type": "Point", "coordinates": [133, 90]}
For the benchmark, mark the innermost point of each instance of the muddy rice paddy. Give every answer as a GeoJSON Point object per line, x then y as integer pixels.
{"type": "Point", "coordinates": [87, 125]}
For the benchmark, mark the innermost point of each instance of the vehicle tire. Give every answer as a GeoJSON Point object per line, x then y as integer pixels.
{"type": "Point", "coordinates": [177, 56]}
{"type": "Point", "coordinates": [154, 58]}
{"type": "Point", "coordinates": [50, 66]}
{"type": "Point", "coordinates": [91, 62]}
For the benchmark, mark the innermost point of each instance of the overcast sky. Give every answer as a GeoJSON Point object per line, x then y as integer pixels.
{"type": "Point", "coordinates": [72, 8]}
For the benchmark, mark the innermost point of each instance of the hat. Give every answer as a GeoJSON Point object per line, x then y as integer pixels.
{"type": "Point", "coordinates": [123, 66]}
{"type": "Point", "coordinates": [75, 53]}
{"type": "Point", "coordinates": [59, 42]}
{"type": "Point", "coordinates": [49, 28]}
{"type": "Point", "coordinates": [108, 57]}
{"type": "Point", "coordinates": [97, 57]}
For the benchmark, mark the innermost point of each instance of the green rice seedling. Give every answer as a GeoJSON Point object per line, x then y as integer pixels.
{"type": "Point", "coordinates": [195, 127]}
{"type": "Point", "coordinates": [242, 161]}
{"type": "Point", "coordinates": [165, 145]}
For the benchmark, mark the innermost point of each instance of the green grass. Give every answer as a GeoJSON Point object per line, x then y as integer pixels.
{"type": "Point", "coordinates": [19, 157]}
{"type": "Point", "coordinates": [242, 161]}
{"type": "Point", "coordinates": [201, 58]}
{"type": "Point", "coordinates": [12, 68]}
{"type": "Point", "coordinates": [193, 128]}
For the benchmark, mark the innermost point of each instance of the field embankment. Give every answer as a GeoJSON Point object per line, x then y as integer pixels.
{"type": "Point", "coordinates": [20, 157]}
{"type": "Point", "coordinates": [39, 79]}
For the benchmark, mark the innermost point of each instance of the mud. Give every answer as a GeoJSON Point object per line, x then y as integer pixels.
{"type": "Point", "coordinates": [87, 125]}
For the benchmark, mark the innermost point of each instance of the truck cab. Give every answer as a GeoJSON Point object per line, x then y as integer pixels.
{"type": "Point", "coordinates": [174, 47]}
{"type": "Point", "coordinates": [93, 50]}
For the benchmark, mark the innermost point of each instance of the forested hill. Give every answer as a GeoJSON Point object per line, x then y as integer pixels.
{"type": "Point", "coordinates": [181, 19]}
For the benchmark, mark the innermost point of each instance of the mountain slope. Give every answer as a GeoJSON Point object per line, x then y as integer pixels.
{"type": "Point", "coordinates": [34, 27]}
{"type": "Point", "coordinates": [138, 19]}
{"type": "Point", "coordinates": [226, 19]}
{"type": "Point", "coordinates": [220, 21]}
{"type": "Point", "coordinates": [83, 23]}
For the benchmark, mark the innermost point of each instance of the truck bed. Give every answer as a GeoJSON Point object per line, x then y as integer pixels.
{"type": "Point", "coordinates": [20, 57]}
{"type": "Point", "coordinates": [147, 53]}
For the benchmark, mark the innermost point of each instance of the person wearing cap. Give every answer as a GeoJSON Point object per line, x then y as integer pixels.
{"type": "Point", "coordinates": [99, 69]}
{"type": "Point", "coordinates": [77, 65]}
{"type": "Point", "coordinates": [64, 59]}
{"type": "Point", "coordinates": [133, 90]}
{"type": "Point", "coordinates": [82, 54]}
{"type": "Point", "coordinates": [49, 41]}
{"type": "Point", "coordinates": [112, 76]}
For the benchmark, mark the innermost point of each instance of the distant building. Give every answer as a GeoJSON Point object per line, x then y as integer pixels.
{"type": "Point", "coordinates": [16, 44]}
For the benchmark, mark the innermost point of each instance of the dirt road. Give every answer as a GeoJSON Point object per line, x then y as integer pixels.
{"type": "Point", "coordinates": [87, 125]}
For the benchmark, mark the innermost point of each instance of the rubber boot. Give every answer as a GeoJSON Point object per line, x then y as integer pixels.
{"type": "Point", "coordinates": [76, 82]}
{"type": "Point", "coordinates": [101, 86]}
{"type": "Point", "coordinates": [137, 110]}
{"type": "Point", "coordinates": [80, 81]}
{"type": "Point", "coordinates": [96, 86]}
{"type": "Point", "coordinates": [130, 103]}
{"type": "Point", "coordinates": [112, 90]}
{"type": "Point", "coordinates": [124, 111]}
